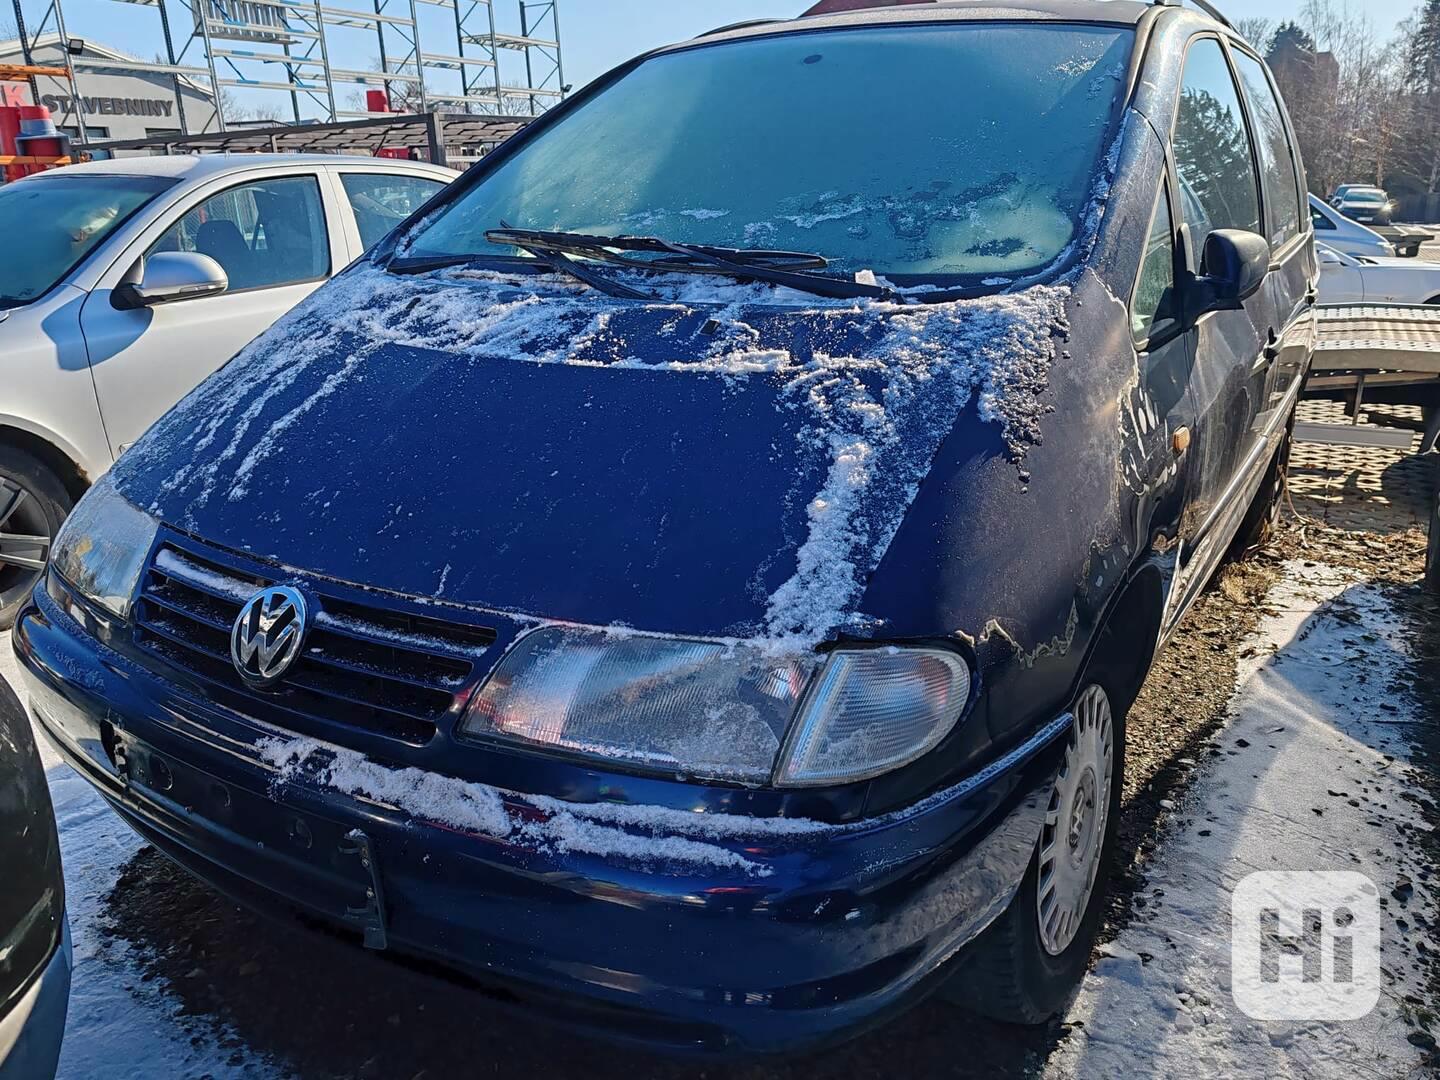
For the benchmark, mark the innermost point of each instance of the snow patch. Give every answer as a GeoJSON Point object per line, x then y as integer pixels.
{"type": "Point", "coordinates": [650, 836]}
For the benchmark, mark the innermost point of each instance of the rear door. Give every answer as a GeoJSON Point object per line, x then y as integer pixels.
{"type": "Point", "coordinates": [276, 235]}
{"type": "Point", "coordinates": [378, 200]}
{"type": "Point", "coordinates": [1293, 269]}
{"type": "Point", "coordinates": [1218, 183]}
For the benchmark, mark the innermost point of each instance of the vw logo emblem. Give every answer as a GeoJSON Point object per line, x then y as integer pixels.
{"type": "Point", "coordinates": [267, 635]}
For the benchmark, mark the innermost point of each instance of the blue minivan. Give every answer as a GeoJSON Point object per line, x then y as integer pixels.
{"type": "Point", "coordinates": [690, 578]}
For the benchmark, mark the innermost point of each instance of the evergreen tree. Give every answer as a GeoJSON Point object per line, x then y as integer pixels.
{"type": "Point", "coordinates": [1292, 38]}
{"type": "Point", "coordinates": [1423, 82]}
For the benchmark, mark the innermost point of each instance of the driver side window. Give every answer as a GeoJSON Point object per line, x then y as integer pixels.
{"type": "Point", "coordinates": [266, 233]}
{"type": "Point", "coordinates": [1213, 153]}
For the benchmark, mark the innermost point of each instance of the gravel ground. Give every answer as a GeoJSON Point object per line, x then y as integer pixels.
{"type": "Point", "coordinates": [174, 980]}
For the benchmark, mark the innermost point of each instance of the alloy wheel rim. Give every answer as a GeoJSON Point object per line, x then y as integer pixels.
{"type": "Point", "coordinates": [1073, 839]}
{"type": "Point", "coordinates": [25, 538]}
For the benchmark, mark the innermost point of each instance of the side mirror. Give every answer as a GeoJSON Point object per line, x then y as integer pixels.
{"type": "Point", "coordinates": [1330, 259]}
{"type": "Point", "coordinates": [1232, 269]}
{"type": "Point", "coordinates": [168, 276]}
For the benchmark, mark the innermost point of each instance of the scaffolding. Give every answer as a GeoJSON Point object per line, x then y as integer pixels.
{"type": "Point", "coordinates": [467, 63]}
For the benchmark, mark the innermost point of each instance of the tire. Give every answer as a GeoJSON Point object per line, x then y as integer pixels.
{"type": "Point", "coordinates": [1024, 967]}
{"type": "Point", "coordinates": [33, 503]}
{"type": "Point", "coordinates": [1264, 513]}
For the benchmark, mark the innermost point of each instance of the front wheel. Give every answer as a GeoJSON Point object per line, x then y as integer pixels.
{"type": "Point", "coordinates": [33, 503]}
{"type": "Point", "coordinates": [1023, 969]}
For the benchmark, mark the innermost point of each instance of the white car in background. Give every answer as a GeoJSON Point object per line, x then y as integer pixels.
{"type": "Point", "coordinates": [127, 282]}
{"type": "Point", "coordinates": [1334, 230]}
{"type": "Point", "coordinates": [1350, 279]}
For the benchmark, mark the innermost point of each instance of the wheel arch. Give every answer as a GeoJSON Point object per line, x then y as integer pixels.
{"type": "Point", "coordinates": [1128, 639]}
{"type": "Point", "coordinates": [49, 453]}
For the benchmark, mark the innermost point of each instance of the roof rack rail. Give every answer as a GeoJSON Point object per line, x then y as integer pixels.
{"type": "Point", "coordinates": [1204, 5]}
{"type": "Point", "coordinates": [740, 26]}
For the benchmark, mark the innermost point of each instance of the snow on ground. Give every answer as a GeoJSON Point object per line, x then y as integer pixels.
{"type": "Point", "coordinates": [1311, 776]}
{"type": "Point", "coordinates": [1311, 779]}
{"type": "Point", "coordinates": [118, 1027]}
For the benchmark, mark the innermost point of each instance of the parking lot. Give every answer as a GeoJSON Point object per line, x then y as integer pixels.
{"type": "Point", "coordinates": [688, 587]}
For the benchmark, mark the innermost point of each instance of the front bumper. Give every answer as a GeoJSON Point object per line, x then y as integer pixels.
{"type": "Point", "coordinates": [826, 933]}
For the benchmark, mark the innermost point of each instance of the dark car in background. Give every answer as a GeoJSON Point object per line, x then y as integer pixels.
{"type": "Point", "coordinates": [34, 935]}
{"type": "Point", "coordinates": [692, 579]}
{"type": "Point", "coordinates": [1372, 206]}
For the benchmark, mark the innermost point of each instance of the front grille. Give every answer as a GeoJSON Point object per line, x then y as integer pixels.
{"type": "Point", "coordinates": [373, 668]}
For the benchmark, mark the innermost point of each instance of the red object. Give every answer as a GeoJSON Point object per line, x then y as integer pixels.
{"type": "Point", "coordinates": [9, 132]}
{"type": "Point", "coordinates": [12, 95]}
{"type": "Point", "coordinates": [377, 101]}
{"type": "Point", "coordinates": [28, 131]}
{"type": "Point", "coordinates": [830, 7]}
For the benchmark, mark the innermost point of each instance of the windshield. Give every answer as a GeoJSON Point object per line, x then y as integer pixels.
{"type": "Point", "coordinates": [1368, 198]}
{"type": "Point", "coordinates": [63, 218]}
{"type": "Point", "coordinates": [943, 153]}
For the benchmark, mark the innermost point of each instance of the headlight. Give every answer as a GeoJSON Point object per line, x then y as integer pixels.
{"type": "Point", "coordinates": [102, 547]}
{"type": "Point", "coordinates": [722, 712]}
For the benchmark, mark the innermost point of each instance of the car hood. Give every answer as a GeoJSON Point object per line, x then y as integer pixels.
{"type": "Point", "coordinates": [726, 461]}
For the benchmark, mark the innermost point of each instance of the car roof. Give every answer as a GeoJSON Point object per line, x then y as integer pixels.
{"type": "Point", "coordinates": [1123, 12]}
{"type": "Point", "coordinates": [200, 166]}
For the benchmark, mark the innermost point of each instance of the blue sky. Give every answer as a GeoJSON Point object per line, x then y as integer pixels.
{"type": "Point", "coordinates": [596, 34]}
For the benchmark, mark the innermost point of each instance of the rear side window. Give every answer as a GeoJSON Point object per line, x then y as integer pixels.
{"type": "Point", "coordinates": [1213, 155]}
{"type": "Point", "coordinates": [1282, 193]}
{"type": "Point", "coordinates": [1153, 310]}
{"type": "Point", "coordinates": [264, 234]}
{"type": "Point", "coordinates": [382, 201]}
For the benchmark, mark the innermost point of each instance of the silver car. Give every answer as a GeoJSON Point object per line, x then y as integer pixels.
{"type": "Point", "coordinates": [1340, 233]}
{"type": "Point", "coordinates": [132, 280]}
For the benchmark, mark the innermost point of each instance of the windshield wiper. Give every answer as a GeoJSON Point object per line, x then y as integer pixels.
{"type": "Point", "coordinates": [553, 260]}
{"type": "Point", "coordinates": [776, 267]}
{"type": "Point", "coordinates": [423, 264]}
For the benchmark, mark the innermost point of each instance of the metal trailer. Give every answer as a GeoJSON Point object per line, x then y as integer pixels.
{"type": "Point", "coordinates": [1366, 346]}
{"type": "Point", "coordinates": [466, 64]}
{"type": "Point", "coordinates": [1406, 239]}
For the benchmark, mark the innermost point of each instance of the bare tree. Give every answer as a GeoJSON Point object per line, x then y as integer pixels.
{"type": "Point", "coordinates": [1345, 87]}
{"type": "Point", "coordinates": [1257, 30]}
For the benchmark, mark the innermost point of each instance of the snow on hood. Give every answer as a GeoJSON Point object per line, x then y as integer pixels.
{"type": "Point", "coordinates": [869, 388]}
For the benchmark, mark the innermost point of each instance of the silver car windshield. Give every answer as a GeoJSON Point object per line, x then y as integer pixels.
{"type": "Point", "coordinates": [63, 219]}
{"type": "Point", "coordinates": [944, 153]}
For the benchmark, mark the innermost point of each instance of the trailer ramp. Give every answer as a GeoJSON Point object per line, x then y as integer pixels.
{"type": "Point", "coordinates": [1364, 346]}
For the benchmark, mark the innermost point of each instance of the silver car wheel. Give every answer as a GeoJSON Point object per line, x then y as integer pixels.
{"type": "Point", "coordinates": [1073, 840]}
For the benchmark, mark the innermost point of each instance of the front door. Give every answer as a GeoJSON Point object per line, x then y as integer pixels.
{"type": "Point", "coordinates": [1232, 370]}
{"type": "Point", "coordinates": [271, 236]}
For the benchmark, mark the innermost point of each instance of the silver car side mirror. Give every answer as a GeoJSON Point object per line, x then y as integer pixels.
{"type": "Point", "coordinates": [168, 276]}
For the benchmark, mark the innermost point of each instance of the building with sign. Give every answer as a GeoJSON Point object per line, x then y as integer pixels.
{"type": "Point", "coordinates": [112, 104]}
{"type": "Point", "coordinates": [298, 61]}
